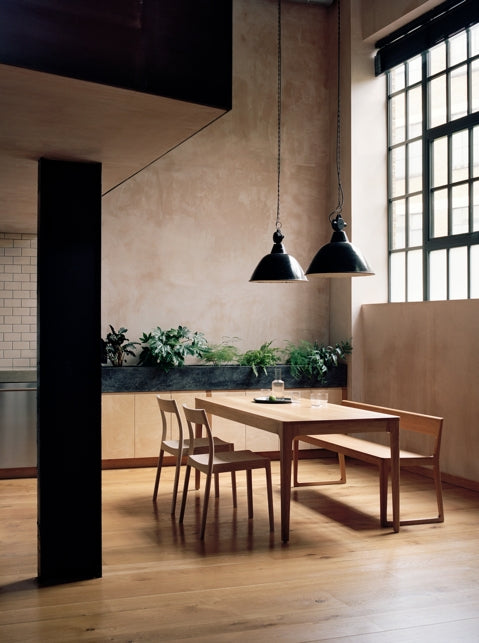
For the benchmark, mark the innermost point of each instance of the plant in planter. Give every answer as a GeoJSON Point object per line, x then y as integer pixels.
{"type": "Point", "coordinates": [117, 346]}
{"type": "Point", "coordinates": [314, 360]}
{"type": "Point", "coordinates": [223, 353]}
{"type": "Point", "coordinates": [169, 348]}
{"type": "Point", "coordinates": [262, 357]}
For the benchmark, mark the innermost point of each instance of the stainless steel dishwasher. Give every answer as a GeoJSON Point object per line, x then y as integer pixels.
{"type": "Point", "coordinates": [18, 424]}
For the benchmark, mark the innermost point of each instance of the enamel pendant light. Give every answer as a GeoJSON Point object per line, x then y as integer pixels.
{"type": "Point", "coordinates": [339, 258]}
{"type": "Point", "coordinates": [278, 266]}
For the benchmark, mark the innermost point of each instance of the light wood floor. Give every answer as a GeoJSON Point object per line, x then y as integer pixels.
{"type": "Point", "coordinates": [341, 577]}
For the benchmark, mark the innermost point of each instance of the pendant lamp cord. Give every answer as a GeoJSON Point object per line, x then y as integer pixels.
{"type": "Point", "coordinates": [339, 208]}
{"type": "Point", "coordinates": [278, 222]}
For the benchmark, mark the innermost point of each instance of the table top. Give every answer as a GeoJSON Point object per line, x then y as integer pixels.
{"type": "Point", "coordinates": [276, 417]}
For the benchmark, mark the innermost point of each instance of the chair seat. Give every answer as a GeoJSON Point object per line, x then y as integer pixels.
{"type": "Point", "coordinates": [228, 461]}
{"type": "Point", "coordinates": [201, 445]}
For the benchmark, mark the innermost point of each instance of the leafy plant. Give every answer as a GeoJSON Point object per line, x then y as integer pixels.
{"type": "Point", "coordinates": [265, 355]}
{"type": "Point", "coordinates": [169, 348]}
{"type": "Point", "coordinates": [314, 360]}
{"type": "Point", "coordinates": [223, 353]}
{"type": "Point", "coordinates": [117, 346]}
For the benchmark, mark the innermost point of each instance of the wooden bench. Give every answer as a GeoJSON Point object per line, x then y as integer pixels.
{"type": "Point", "coordinates": [379, 454]}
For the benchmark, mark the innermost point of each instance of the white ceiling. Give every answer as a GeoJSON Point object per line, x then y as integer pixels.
{"type": "Point", "coordinates": [43, 115]}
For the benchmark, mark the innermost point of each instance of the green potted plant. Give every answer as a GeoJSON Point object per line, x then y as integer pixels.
{"type": "Point", "coordinates": [260, 358]}
{"type": "Point", "coordinates": [314, 360]}
{"type": "Point", "coordinates": [223, 353]}
{"type": "Point", "coordinates": [117, 346]}
{"type": "Point", "coordinates": [168, 349]}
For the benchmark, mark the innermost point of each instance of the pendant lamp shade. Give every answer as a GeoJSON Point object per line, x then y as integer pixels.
{"type": "Point", "coordinates": [339, 258]}
{"type": "Point", "coordinates": [278, 266]}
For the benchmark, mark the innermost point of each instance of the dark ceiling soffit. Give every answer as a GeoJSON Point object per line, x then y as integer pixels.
{"type": "Point", "coordinates": [180, 50]}
{"type": "Point", "coordinates": [423, 33]}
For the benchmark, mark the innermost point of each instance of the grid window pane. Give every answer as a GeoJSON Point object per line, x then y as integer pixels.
{"type": "Point", "coordinates": [398, 228]}
{"type": "Point", "coordinates": [415, 166]}
{"type": "Point", "coordinates": [437, 101]}
{"type": "Point", "coordinates": [458, 91]}
{"type": "Point", "coordinates": [474, 271]}
{"type": "Point", "coordinates": [474, 40]}
{"type": "Point", "coordinates": [458, 48]}
{"type": "Point", "coordinates": [398, 171]}
{"type": "Point", "coordinates": [439, 162]}
{"type": "Point", "coordinates": [439, 214]}
{"type": "Point", "coordinates": [397, 78]}
{"type": "Point", "coordinates": [437, 59]}
{"type": "Point", "coordinates": [458, 273]}
{"type": "Point", "coordinates": [460, 209]}
{"type": "Point", "coordinates": [475, 152]}
{"type": "Point", "coordinates": [475, 206]}
{"type": "Point", "coordinates": [398, 119]}
{"type": "Point", "coordinates": [414, 70]}
{"type": "Point", "coordinates": [398, 276]}
{"type": "Point", "coordinates": [414, 115]}
{"type": "Point", "coordinates": [414, 276]}
{"type": "Point", "coordinates": [438, 275]}
{"type": "Point", "coordinates": [460, 156]}
{"type": "Point", "coordinates": [415, 221]}
{"type": "Point", "coordinates": [475, 86]}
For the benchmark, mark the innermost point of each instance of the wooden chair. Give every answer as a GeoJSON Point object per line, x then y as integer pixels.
{"type": "Point", "coordinates": [180, 446]}
{"type": "Point", "coordinates": [214, 462]}
{"type": "Point", "coordinates": [380, 455]}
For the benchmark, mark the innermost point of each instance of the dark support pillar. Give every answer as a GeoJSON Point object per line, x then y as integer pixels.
{"type": "Point", "coordinates": [69, 371]}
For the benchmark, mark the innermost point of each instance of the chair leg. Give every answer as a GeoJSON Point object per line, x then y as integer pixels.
{"type": "Point", "coordinates": [233, 488]}
{"type": "Point", "coordinates": [205, 505]}
{"type": "Point", "coordinates": [383, 493]}
{"type": "Point", "coordinates": [437, 484]}
{"type": "Point", "coordinates": [158, 474]}
{"type": "Point", "coordinates": [217, 486]}
{"type": "Point", "coordinates": [269, 488]}
{"type": "Point", "coordinates": [185, 492]}
{"type": "Point", "coordinates": [249, 487]}
{"type": "Point", "coordinates": [175, 484]}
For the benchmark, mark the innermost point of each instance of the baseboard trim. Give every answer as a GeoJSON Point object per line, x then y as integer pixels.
{"type": "Point", "coordinates": [306, 454]}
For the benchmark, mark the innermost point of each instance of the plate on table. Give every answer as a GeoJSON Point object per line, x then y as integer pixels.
{"type": "Point", "coordinates": [278, 400]}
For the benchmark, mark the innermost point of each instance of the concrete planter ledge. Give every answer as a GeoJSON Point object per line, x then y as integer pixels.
{"type": "Point", "coordinates": [207, 378]}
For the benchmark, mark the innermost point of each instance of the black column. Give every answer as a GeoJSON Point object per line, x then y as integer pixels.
{"type": "Point", "coordinates": [69, 371]}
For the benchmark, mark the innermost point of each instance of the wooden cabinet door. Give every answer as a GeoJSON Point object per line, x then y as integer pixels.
{"type": "Point", "coordinates": [118, 426]}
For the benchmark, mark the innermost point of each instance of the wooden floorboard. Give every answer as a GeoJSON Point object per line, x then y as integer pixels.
{"type": "Point", "coordinates": [340, 578]}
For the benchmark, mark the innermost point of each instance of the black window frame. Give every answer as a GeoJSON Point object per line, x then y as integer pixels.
{"type": "Point", "coordinates": [414, 40]}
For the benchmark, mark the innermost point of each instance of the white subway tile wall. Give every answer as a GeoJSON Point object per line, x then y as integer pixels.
{"type": "Point", "coordinates": [18, 301]}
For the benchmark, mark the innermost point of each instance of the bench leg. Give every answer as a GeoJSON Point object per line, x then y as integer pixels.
{"type": "Point", "coordinates": [383, 493]}
{"type": "Point", "coordinates": [296, 483]}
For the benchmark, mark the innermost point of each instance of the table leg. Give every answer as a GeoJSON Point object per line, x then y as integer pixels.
{"type": "Point", "coordinates": [395, 472]}
{"type": "Point", "coordinates": [286, 446]}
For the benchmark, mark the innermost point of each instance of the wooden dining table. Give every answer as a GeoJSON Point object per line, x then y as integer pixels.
{"type": "Point", "coordinates": [290, 420]}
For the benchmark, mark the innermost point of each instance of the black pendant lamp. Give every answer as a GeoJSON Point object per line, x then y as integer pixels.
{"type": "Point", "coordinates": [278, 267]}
{"type": "Point", "coordinates": [339, 258]}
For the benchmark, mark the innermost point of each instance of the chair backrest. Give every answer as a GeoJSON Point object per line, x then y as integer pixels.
{"type": "Point", "coordinates": [199, 417]}
{"type": "Point", "coordinates": [408, 421]}
{"type": "Point", "coordinates": [171, 407]}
